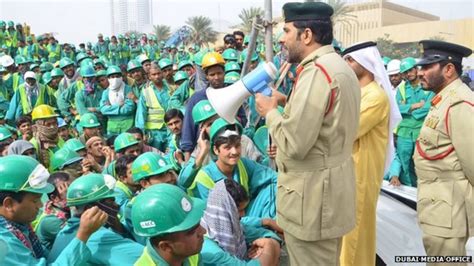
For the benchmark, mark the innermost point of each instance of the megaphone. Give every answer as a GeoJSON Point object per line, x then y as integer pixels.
{"type": "Point", "coordinates": [227, 101]}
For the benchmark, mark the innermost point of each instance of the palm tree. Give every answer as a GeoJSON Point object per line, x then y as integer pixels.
{"type": "Point", "coordinates": [247, 15]}
{"type": "Point", "coordinates": [162, 32]}
{"type": "Point", "coordinates": [202, 31]}
{"type": "Point", "coordinates": [342, 16]}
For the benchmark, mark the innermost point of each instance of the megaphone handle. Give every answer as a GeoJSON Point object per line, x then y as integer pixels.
{"type": "Point", "coordinates": [272, 161]}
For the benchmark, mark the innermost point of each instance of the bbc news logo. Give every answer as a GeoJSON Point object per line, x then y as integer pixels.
{"type": "Point", "coordinates": [433, 259]}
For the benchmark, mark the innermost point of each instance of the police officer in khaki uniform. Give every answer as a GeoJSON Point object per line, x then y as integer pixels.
{"type": "Point", "coordinates": [314, 138]}
{"type": "Point", "coordinates": [444, 156]}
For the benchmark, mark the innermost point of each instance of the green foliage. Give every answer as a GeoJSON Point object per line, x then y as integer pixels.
{"type": "Point", "coordinates": [246, 16]}
{"type": "Point", "coordinates": [388, 47]}
{"type": "Point", "coordinates": [162, 32]}
{"type": "Point", "coordinates": [202, 31]}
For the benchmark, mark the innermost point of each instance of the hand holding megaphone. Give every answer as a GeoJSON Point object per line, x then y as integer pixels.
{"type": "Point", "coordinates": [226, 101]}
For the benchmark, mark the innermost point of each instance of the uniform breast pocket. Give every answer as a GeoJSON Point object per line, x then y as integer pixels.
{"type": "Point", "coordinates": [435, 203]}
{"type": "Point", "coordinates": [429, 137]}
{"type": "Point", "coordinates": [290, 197]}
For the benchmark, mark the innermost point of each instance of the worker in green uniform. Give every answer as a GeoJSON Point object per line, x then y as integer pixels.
{"type": "Point", "coordinates": [55, 212]}
{"type": "Point", "coordinates": [174, 238]}
{"type": "Point", "coordinates": [28, 95]}
{"type": "Point", "coordinates": [45, 139]}
{"type": "Point", "coordinates": [259, 181]}
{"type": "Point", "coordinates": [125, 188]}
{"type": "Point", "coordinates": [151, 109]}
{"type": "Point", "coordinates": [166, 66]}
{"type": "Point", "coordinates": [185, 90]}
{"type": "Point", "coordinates": [56, 75]}
{"type": "Point", "coordinates": [117, 103]}
{"type": "Point", "coordinates": [414, 104]}
{"type": "Point", "coordinates": [101, 47]}
{"type": "Point", "coordinates": [148, 169]}
{"type": "Point", "coordinates": [114, 51]}
{"type": "Point", "coordinates": [11, 38]}
{"type": "Point", "coordinates": [87, 99]}
{"type": "Point", "coordinates": [70, 75]}
{"type": "Point", "coordinates": [108, 245]}
{"type": "Point", "coordinates": [136, 72]}
{"type": "Point", "coordinates": [11, 78]}
{"type": "Point", "coordinates": [53, 49]}
{"type": "Point", "coordinates": [124, 50]}
{"type": "Point", "coordinates": [67, 52]}
{"type": "Point", "coordinates": [20, 200]}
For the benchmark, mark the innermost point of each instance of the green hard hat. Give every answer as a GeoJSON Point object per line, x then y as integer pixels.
{"type": "Point", "coordinates": [221, 124]}
{"type": "Point", "coordinates": [89, 120]}
{"type": "Point", "coordinates": [80, 56]}
{"type": "Point", "coordinates": [202, 111]}
{"type": "Point", "coordinates": [164, 209]}
{"type": "Point", "coordinates": [231, 77]}
{"type": "Point", "coordinates": [101, 73]}
{"type": "Point", "coordinates": [2, 23]}
{"type": "Point", "coordinates": [120, 36]}
{"type": "Point", "coordinates": [4, 133]}
{"type": "Point", "coordinates": [243, 56]}
{"type": "Point", "coordinates": [20, 60]}
{"type": "Point", "coordinates": [102, 61]}
{"type": "Point", "coordinates": [23, 173]}
{"type": "Point", "coordinates": [74, 145]}
{"type": "Point", "coordinates": [90, 188]}
{"type": "Point", "coordinates": [56, 72]}
{"type": "Point", "coordinates": [184, 63]}
{"type": "Point", "coordinates": [180, 75]}
{"type": "Point", "coordinates": [47, 78]}
{"type": "Point", "coordinates": [10, 23]}
{"type": "Point", "coordinates": [87, 72]}
{"type": "Point", "coordinates": [46, 67]}
{"type": "Point", "coordinates": [149, 164]}
{"type": "Point", "coordinates": [260, 138]}
{"type": "Point", "coordinates": [113, 70]}
{"type": "Point", "coordinates": [386, 59]}
{"type": "Point", "coordinates": [124, 140]}
{"type": "Point", "coordinates": [33, 66]}
{"type": "Point", "coordinates": [133, 64]}
{"type": "Point", "coordinates": [232, 66]}
{"type": "Point", "coordinates": [230, 54]}
{"type": "Point", "coordinates": [87, 62]}
{"type": "Point", "coordinates": [64, 157]}
{"type": "Point", "coordinates": [407, 64]}
{"type": "Point", "coordinates": [64, 62]}
{"type": "Point", "coordinates": [164, 63]}
{"type": "Point", "coordinates": [142, 58]}
{"type": "Point", "coordinates": [198, 57]}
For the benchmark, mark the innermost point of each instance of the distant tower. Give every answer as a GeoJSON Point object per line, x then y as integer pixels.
{"type": "Point", "coordinates": [130, 15]}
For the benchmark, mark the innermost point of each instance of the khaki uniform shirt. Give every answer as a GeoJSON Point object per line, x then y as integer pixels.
{"type": "Point", "coordinates": [444, 162]}
{"type": "Point", "coordinates": [314, 137]}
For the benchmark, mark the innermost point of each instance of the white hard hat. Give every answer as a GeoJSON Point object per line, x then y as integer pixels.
{"type": "Point", "coordinates": [30, 74]}
{"type": "Point", "coordinates": [393, 67]}
{"type": "Point", "coordinates": [6, 61]}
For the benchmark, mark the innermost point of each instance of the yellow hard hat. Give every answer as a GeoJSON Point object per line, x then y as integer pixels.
{"type": "Point", "coordinates": [212, 59]}
{"type": "Point", "coordinates": [42, 112]}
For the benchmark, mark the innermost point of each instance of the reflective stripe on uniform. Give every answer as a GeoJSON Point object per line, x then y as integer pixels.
{"type": "Point", "coordinates": [156, 114]}
{"type": "Point", "coordinates": [146, 259]}
{"type": "Point", "coordinates": [205, 180]}
{"type": "Point", "coordinates": [25, 104]}
{"type": "Point", "coordinates": [124, 188]}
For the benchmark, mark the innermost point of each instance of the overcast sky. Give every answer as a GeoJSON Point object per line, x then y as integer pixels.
{"type": "Point", "coordinates": [80, 20]}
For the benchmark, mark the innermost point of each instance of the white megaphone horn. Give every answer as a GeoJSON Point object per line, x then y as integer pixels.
{"type": "Point", "coordinates": [227, 101]}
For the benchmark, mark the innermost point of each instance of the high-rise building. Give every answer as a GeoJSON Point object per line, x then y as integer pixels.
{"type": "Point", "coordinates": [131, 15]}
